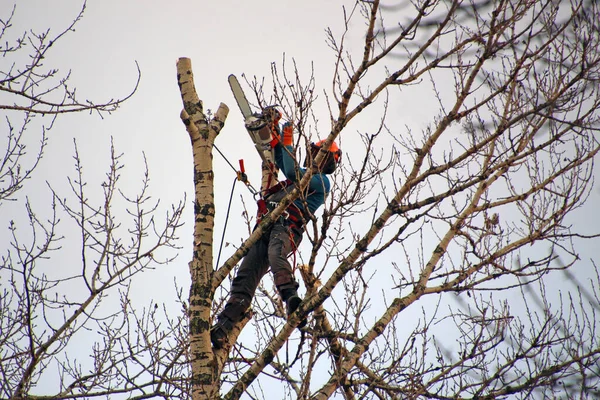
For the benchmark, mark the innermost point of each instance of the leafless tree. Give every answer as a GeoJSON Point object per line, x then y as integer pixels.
{"type": "Point", "coordinates": [68, 328]}
{"type": "Point", "coordinates": [29, 87]}
{"type": "Point", "coordinates": [48, 308]}
{"type": "Point", "coordinates": [429, 273]}
{"type": "Point", "coordinates": [426, 275]}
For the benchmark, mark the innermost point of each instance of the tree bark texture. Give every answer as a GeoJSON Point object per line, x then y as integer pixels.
{"type": "Point", "coordinates": [202, 131]}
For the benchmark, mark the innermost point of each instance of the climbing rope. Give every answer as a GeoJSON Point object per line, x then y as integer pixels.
{"type": "Point", "coordinates": [226, 220]}
{"type": "Point", "coordinates": [240, 176]}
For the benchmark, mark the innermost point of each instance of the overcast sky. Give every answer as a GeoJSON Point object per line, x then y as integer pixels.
{"type": "Point", "coordinates": [221, 37]}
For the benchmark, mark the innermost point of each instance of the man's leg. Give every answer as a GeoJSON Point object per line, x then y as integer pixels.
{"type": "Point", "coordinates": [282, 242]}
{"type": "Point", "coordinates": [254, 266]}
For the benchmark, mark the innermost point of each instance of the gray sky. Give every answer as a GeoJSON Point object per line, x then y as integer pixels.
{"type": "Point", "coordinates": [221, 37]}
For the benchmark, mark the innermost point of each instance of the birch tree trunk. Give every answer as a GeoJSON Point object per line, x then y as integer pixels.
{"type": "Point", "coordinates": [202, 131]}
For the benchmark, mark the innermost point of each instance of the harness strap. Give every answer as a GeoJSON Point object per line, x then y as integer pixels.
{"type": "Point", "coordinates": [292, 212]}
{"type": "Point", "coordinates": [295, 215]}
{"type": "Point", "coordinates": [294, 248]}
{"type": "Point", "coordinates": [276, 188]}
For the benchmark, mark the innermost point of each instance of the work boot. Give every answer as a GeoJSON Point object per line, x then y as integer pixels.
{"type": "Point", "coordinates": [292, 302]}
{"type": "Point", "coordinates": [220, 331]}
{"type": "Point", "coordinates": [234, 311]}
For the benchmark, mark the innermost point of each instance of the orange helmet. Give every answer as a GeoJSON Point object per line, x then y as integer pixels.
{"type": "Point", "coordinates": [334, 148]}
{"type": "Point", "coordinates": [332, 159]}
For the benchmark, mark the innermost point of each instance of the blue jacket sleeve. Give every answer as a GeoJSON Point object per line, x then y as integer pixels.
{"type": "Point", "coordinates": [319, 184]}
{"type": "Point", "coordinates": [286, 162]}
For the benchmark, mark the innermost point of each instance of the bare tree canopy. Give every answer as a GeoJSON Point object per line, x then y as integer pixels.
{"type": "Point", "coordinates": [50, 302]}
{"type": "Point", "coordinates": [32, 87]}
{"type": "Point", "coordinates": [474, 207]}
{"type": "Point", "coordinates": [445, 264]}
{"type": "Point", "coordinates": [29, 87]}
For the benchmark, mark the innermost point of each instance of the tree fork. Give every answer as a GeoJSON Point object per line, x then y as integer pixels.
{"type": "Point", "coordinates": [202, 131]}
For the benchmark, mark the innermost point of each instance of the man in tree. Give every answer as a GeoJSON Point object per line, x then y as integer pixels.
{"type": "Point", "coordinates": [283, 237]}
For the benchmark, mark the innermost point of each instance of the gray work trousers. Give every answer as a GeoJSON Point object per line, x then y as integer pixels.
{"type": "Point", "coordinates": [272, 249]}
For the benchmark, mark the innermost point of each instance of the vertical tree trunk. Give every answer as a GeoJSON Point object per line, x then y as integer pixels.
{"type": "Point", "coordinates": [202, 135]}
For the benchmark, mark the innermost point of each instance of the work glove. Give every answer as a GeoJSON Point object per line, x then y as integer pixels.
{"type": "Point", "coordinates": [288, 134]}
{"type": "Point", "coordinates": [275, 139]}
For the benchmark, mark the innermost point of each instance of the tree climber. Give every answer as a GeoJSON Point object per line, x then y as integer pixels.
{"type": "Point", "coordinates": [283, 237]}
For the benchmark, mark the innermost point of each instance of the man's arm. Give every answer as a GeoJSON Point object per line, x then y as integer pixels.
{"type": "Point", "coordinates": [319, 185]}
{"type": "Point", "coordinates": [284, 151]}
